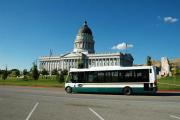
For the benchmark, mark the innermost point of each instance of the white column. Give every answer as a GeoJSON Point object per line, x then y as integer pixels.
{"type": "Point", "coordinates": [105, 61]}
{"type": "Point", "coordinates": [62, 64]}
{"type": "Point", "coordinates": [116, 61]}
{"type": "Point", "coordinates": [97, 62]}
{"type": "Point", "coordinates": [70, 63]}
{"type": "Point", "coordinates": [67, 63]}
{"type": "Point", "coordinates": [53, 65]}
{"type": "Point", "coordinates": [101, 62]}
{"type": "Point", "coordinates": [48, 67]}
{"type": "Point", "coordinates": [57, 65]}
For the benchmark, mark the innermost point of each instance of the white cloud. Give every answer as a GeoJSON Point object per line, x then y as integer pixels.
{"type": "Point", "coordinates": [122, 46]}
{"type": "Point", "coordinates": [170, 20]}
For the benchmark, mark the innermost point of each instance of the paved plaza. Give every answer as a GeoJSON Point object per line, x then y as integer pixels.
{"type": "Point", "coordinates": [31, 103]}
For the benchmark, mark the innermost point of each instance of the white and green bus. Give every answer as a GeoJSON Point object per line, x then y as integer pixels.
{"type": "Point", "coordinates": [112, 79]}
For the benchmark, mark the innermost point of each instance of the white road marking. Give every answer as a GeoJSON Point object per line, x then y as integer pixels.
{"type": "Point", "coordinates": [173, 116]}
{"type": "Point", "coordinates": [32, 111]}
{"type": "Point", "coordinates": [101, 118]}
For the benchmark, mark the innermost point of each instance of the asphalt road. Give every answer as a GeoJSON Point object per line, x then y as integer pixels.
{"type": "Point", "coordinates": [28, 103]}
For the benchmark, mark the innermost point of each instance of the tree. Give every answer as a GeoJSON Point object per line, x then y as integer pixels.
{"type": "Point", "coordinates": [1, 72]}
{"type": "Point", "coordinates": [25, 72]}
{"type": "Point", "coordinates": [14, 72]}
{"type": "Point", "coordinates": [54, 72]}
{"type": "Point", "coordinates": [5, 74]}
{"type": "Point", "coordinates": [35, 73]}
{"type": "Point", "coordinates": [174, 70]}
{"type": "Point", "coordinates": [148, 61]}
{"type": "Point", "coordinates": [44, 72]}
{"type": "Point", "coordinates": [60, 77]}
{"type": "Point", "coordinates": [64, 72]}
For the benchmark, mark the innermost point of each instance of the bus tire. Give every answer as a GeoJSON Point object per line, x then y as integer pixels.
{"type": "Point", "coordinates": [127, 91]}
{"type": "Point", "coordinates": [68, 89]}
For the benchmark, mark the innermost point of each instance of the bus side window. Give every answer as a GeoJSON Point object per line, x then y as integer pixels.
{"type": "Point", "coordinates": [90, 77]}
{"type": "Point", "coordinates": [95, 77]}
{"type": "Point", "coordinates": [108, 77]}
{"type": "Point", "coordinates": [138, 74]}
{"type": "Point", "coordinates": [114, 76]}
{"type": "Point", "coordinates": [121, 76]}
{"type": "Point", "coordinates": [128, 76]}
{"type": "Point", "coordinates": [141, 75]}
{"type": "Point", "coordinates": [81, 77]}
{"type": "Point", "coordinates": [101, 77]}
{"type": "Point", "coordinates": [145, 75]}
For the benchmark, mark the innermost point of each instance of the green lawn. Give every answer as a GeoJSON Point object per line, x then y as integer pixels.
{"type": "Point", "coordinates": [169, 83]}
{"type": "Point", "coordinates": [49, 82]}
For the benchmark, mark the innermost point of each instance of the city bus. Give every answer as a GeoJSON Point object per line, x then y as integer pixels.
{"type": "Point", "coordinates": [112, 79]}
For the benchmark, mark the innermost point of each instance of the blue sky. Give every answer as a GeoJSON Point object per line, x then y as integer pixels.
{"type": "Point", "coordinates": [30, 28]}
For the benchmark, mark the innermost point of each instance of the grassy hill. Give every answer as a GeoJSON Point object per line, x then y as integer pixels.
{"type": "Point", "coordinates": [169, 83]}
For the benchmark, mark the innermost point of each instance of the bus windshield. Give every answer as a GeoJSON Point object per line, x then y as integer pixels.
{"type": "Point", "coordinates": [72, 78]}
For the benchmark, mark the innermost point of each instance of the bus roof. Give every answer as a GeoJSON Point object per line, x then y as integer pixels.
{"type": "Point", "coordinates": [107, 68]}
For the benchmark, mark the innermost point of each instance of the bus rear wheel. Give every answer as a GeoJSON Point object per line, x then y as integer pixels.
{"type": "Point", "coordinates": [127, 91]}
{"type": "Point", "coordinates": [68, 89]}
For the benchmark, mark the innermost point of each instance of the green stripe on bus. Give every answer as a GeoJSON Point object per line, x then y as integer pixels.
{"type": "Point", "coordinates": [105, 90]}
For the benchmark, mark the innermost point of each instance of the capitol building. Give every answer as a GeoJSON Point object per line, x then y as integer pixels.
{"type": "Point", "coordinates": [84, 53]}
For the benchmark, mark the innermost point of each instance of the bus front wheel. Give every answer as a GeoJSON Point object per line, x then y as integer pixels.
{"type": "Point", "coordinates": [68, 90]}
{"type": "Point", "coordinates": [127, 91]}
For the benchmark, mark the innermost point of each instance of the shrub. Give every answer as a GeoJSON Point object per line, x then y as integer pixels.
{"type": "Point", "coordinates": [64, 72]}
{"type": "Point", "coordinates": [5, 74]}
{"type": "Point", "coordinates": [25, 72]}
{"type": "Point", "coordinates": [35, 73]}
{"type": "Point", "coordinates": [60, 78]}
{"type": "Point", "coordinates": [54, 72]}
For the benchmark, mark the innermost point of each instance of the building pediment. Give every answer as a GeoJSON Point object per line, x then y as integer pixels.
{"type": "Point", "coordinates": [72, 54]}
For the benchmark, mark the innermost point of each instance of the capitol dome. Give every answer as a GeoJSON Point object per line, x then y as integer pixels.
{"type": "Point", "coordinates": [84, 40]}
{"type": "Point", "coordinates": [85, 29]}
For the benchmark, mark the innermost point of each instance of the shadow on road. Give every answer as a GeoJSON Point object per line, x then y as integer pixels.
{"type": "Point", "coordinates": [136, 94]}
{"type": "Point", "coordinates": [168, 94]}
